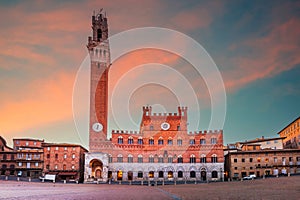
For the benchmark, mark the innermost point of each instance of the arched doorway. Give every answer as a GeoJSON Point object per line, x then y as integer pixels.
{"type": "Point", "coordinates": [97, 168]}
{"type": "Point", "coordinates": [130, 175]}
{"type": "Point", "coordinates": [203, 175]}
{"type": "Point", "coordinates": [120, 175]}
{"type": "Point", "coordinates": [192, 174]}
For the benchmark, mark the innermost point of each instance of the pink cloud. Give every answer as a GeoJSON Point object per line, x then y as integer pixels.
{"type": "Point", "coordinates": [267, 57]}
{"type": "Point", "coordinates": [197, 17]}
{"type": "Point", "coordinates": [42, 101]}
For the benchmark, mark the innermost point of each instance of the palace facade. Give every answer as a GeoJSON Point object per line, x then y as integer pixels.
{"type": "Point", "coordinates": [162, 149]}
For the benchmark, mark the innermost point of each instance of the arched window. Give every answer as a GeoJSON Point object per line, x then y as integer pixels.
{"type": "Point", "coordinates": [130, 158]}
{"type": "Point", "coordinates": [192, 174]}
{"type": "Point", "coordinates": [4, 166]}
{"type": "Point", "coordinates": [151, 174]}
{"type": "Point", "coordinates": [110, 159]}
{"type": "Point", "coordinates": [180, 174]}
{"type": "Point", "coordinates": [160, 159]}
{"type": "Point", "coordinates": [120, 158]}
{"type": "Point", "coordinates": [192, 158]}
{"type": "Point", "coordinates": [130, 140]}
{"type": "Point", "coordinates": [202, 141]}
{"type": "Point", "coordinates": [99, 34]}
{"type": "Point", "coordinates": [203, 158]}
{"type": "Point", "coordinates": [170, 174]}
{"type": "Point", "coordinates": [213, 140]}
{"type": "Point", "coordinates": [179, 159]}
{"type": "Point", "coordinates": [214, 158]}
{"type": "Point", "coordinates": [12, 166]}
{"type": "Point", "coordinates": [170, 141]}
{"type": "Point", "coordinates": [151, 128]}
{"type": "Point", "coordinates": [120, 140]}
{"type": "Point", "coordinates": [179, 142]}
{"type": "Point", "coordinates": [140, 158]}
{"type": "Point", "coordinates": [214, 174]}
{"type": "Point", "coordinates": [151, 141]}
{"type": "Point", "coordinates": [160, 141]}
{"type": "Point", "coordinates": [170, 159]}
{"type": "Point", "coordinates": [140, 140]}
{"type": "Point", "coordinates": [151, 159]}
{"type": "Point", "coordinates": [160, 174]}
{"type": "Point", "coordinates": [192, 141]}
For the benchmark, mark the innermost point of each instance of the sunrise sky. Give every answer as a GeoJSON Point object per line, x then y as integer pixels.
{"type": "Point", "coordinates": [255, 45]}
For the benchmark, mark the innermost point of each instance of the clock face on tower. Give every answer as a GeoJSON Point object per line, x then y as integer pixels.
{"type": "Point", "coordinates": [165, 126]}
{"type": "Point", "coordinates": [97, 127]}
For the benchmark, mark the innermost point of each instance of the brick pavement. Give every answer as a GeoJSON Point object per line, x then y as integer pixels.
{"type": "Point", "coordinates": [271, 188]}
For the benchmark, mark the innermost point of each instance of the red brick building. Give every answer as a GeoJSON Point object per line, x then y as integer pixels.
{"type": "Point", "coordinates": [64, 160]}
{"type": "Point", "coordinates": [162, 148]}
{"type": "Point", "coordinates": [29, 157]}
{"type": "Point", "coordinates": [7, 159]}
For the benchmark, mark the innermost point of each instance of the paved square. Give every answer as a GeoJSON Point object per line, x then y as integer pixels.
{"type": "Point", "coordinates": [271, 188]}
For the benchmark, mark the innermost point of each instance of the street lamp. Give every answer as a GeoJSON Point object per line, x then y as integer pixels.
{"type": "Point", "coordinates": [221, 173]}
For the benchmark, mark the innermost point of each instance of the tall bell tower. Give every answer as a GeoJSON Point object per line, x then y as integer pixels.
{"type": "Point", "coordinates": [98, 47]}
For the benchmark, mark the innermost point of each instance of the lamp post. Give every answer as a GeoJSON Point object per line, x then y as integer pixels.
{"type": "Point", "coordinates": [221, 174]}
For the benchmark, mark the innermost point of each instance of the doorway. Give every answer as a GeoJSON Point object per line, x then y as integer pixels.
{"type": "Point", "coordinates": [130, 176]}
{"type": "Point", "coordinates": [203, 175]}
{"type": "Point", "coordinates": [97, 168]}
{"type": "Point", "coordinates": [119, 175]}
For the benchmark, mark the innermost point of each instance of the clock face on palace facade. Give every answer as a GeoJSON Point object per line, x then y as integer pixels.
{"type": "Point", "coordinates": [165, 126]}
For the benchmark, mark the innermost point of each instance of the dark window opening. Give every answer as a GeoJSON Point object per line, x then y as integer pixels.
{"type": "Point", "coordinates": [192, 174]}
{"type": "Point", "coordinates": [99, 34]}
{"type": "Point", "coordinates": [214, 174]}
{"type": "Point", "coordinates": [180, 174]}
{"type": "Point", "coordinates": [160, 174]}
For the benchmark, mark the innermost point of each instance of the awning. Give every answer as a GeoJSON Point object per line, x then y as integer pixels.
{"type": "Point", "coordinates": [67, 173]}
{"type": "Point", "coordinates": [53, 173]}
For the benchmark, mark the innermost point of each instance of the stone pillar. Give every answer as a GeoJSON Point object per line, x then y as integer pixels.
{"type": "Point", "coordinates": [134, 175]}
{"type": "Point", "coordinates": [105, 173]}
{"type": "Point", "coordinates": [145, 175]}
{"type": "Point", "coordinates": [114, 175]}
{"type": "Point", "coordinates": [165, 175]}
{"type": "Point", "coordinates": [198, 175]}
{"type": "Point", "coordinates": [155, 175]}
{"type": "Point", "coordinates": [87, 171]}
{"type": "Point", "coordinates": [125, 176]}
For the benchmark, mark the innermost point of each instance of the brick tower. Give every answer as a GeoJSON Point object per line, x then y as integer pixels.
{"type": "Point", "coordinates": [98, 47]}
